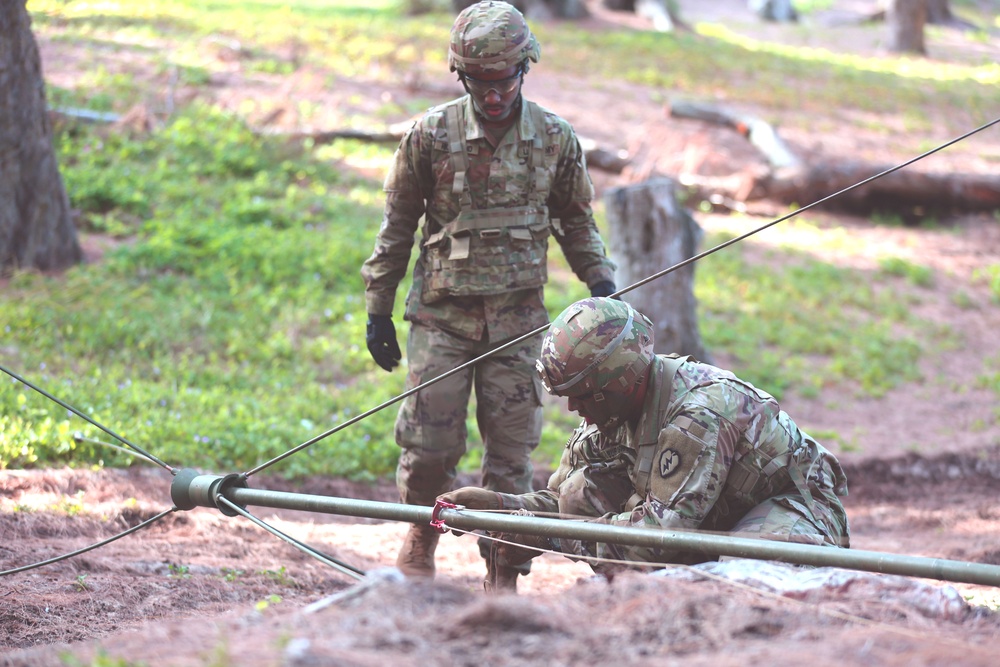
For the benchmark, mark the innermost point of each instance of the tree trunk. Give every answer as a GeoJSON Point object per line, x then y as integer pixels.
{"type": "Point", "coordinates": [649, 232]}
{"type": "Point", "coordinates": [781, 11]}
{"type": "Point", "coordinates": [620, 5]}
{"type": "Point", "coordinates": [905, 20]}
{"type": "Point", "coordinates": [939, 12]}
{"type": "Point", "coordinates": [35, 226]}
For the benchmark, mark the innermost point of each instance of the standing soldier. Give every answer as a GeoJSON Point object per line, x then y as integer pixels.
{"type": "Point", "coordinates": [494, 176]}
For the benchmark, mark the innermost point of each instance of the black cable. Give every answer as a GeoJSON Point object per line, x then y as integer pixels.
{"type": "Point", "coordinates": [349, 570]}
{"type": "Point", "coordinates": [88, 419]}
{"type": "Point", "coordinates": [80, 437]}
{"type": "Point", "coordinates": [142, 525]}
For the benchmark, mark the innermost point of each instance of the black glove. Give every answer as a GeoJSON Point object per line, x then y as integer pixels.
{"type": "Point", "coordinates": [603, 288]}
{"type": "Point", "coordinates": [380, 334]}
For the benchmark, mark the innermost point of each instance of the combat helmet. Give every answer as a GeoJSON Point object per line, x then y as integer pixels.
{"type": "Point", "coordinates": [492, 35]}
{"type": "Point", "coordinates": [596, 345]}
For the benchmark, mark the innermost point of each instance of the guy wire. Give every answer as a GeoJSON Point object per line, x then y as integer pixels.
{"type": "Point", "coordinates": [131, 530]}
{"type": "Point", "coordinates": [88, 419]}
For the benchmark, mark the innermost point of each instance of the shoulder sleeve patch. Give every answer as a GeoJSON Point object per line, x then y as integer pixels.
{"type": "Point", "coordinates": [679, 454]}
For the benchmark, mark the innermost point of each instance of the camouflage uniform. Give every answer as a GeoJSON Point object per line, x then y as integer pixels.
{"type": "Point", "coordinates": [478, 281]}
{"type": "Point", "coordinates": [710, 452]}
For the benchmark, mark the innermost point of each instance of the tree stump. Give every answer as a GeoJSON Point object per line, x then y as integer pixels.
{"type": "Point", "coordinates": [781, 11]}
{"type": "Point", "coordinates": [905, 20]}
{"type": "Point", "coordinates": [651, 231]}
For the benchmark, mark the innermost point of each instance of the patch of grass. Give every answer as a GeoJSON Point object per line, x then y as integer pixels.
{"type": "Point", "coordinates": [962, 299]}
{"type": "Point", "coordinates": [70, 505]}
{"type": "Point", "coordinates": [101, 659]}
{"type": "Point", "coordinates": [921, 276]}
{"type": "Point", "coordinates": [753, 71]}
{"type": "Point", "coordinates": [809, 324]}
{"type": "Point", "coordinates": [231, 575]}
{"type": "Point", "coordinates": [229, 327]}
{"type": "Point", "coordinates": [279, 576]}
{"type": "Point", "coordinates": [175, 571]}
{"type": "Point", "coordinates": [272, 599]}
{"type": "Point", "coordinates": [991, 276]}
{"type": "Point", "coordinates": [380, 41]}
{"type": "Point", "coordinates": [218, 331]}
{"type": "Point", "coordinates": [990, 377]}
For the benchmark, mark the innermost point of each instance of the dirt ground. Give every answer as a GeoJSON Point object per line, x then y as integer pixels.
{"type": "Point", "coordinates": [200, 588]}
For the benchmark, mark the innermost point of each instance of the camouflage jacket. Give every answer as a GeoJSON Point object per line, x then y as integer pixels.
{"type": "Point", "coordinates": [419, 184]}
{"type": "Point", "coordinates": [708, 448]}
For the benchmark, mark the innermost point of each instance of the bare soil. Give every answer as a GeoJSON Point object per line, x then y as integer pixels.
{"type": "Point", "coordinates": [199, 588]}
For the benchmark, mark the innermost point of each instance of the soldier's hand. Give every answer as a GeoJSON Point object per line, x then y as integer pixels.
{"type": "Point", "coordinates": [380, 334]}
{"type": "Point", "coordinates": [525, 548]}
{"type": "Point", "coordinates": [603, 288]}
{"type": "Point", "coordinates": [473, 498]}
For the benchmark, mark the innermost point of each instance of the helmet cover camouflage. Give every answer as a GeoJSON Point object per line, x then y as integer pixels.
{"type": "Point", "coordinates": [493, 36]}
{"type": "Point", "coordinates": [596, 345]}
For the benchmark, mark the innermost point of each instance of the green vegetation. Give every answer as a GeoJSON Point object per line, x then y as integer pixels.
{"type": "Point", "coordinates": [178, 571]}
{"type": "Point", "coordinates": [224, 324]}
{"type": "Point", "coordinates": [807, 324]}
{"type": "Point", "coordinates": [81, 584]}
{"type": "Point", "coordinates": [920, 276]}
{"type": "Point", "coordinates": [102, 659]}
{"type": "Point", "coordinates": [991, 276]}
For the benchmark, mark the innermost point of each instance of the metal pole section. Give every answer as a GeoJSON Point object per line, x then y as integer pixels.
{"type": "Point", "coordinates": [201, 490]}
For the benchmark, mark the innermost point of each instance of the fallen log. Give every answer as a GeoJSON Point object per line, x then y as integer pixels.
{"type": "Point", "coordinates": [759, 133]}
{"type": "Point", "coordinates": [910, 193]}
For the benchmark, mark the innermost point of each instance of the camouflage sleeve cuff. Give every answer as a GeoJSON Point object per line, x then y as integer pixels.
{"type": "Point", "coordinates": [600, 273]}
{"type": "Point", "coordinates": [379, 304]}
{"type": "Point", "coordinates": [536, 501]}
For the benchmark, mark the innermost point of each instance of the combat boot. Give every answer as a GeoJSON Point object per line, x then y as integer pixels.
{"type": "Point", "coordinates": [501, 579]}
{"type": "Point", "coordinates": [416, 557]}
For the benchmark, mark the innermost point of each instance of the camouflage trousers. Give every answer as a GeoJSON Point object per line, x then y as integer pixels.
{"type": "Point", "coordinates": [431, 424]}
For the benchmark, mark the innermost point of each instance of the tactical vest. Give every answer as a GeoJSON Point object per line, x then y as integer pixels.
{"type": "Point", "coordinates": [749, 481]}
{"type": "Point", "coordinates": [495, 250]}
{"type": "Point", "coordinates": [645, 453]}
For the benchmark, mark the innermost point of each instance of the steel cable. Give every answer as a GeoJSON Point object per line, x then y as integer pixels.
{"type": "Point", "coordinates": [349, 570]}
{"type": "Point", "coordinates": [80, 437]}
{"type": "Point", "coordinates": [144, 524]}
{"type": "Point", "coordinates": [69, 407]}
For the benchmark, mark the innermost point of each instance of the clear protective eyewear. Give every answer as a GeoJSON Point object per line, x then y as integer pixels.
{"type": "Point", "coordinates": [482, 87]}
